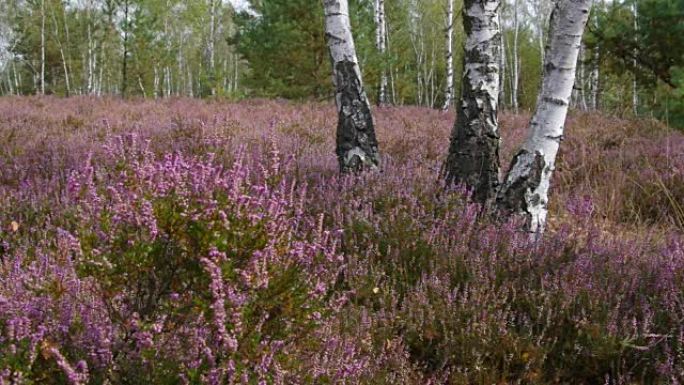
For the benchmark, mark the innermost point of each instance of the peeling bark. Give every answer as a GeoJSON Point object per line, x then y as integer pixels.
{"type": "Point", "coordinates": [357, 147]}
{"type": "Point", "coordinates": [525, 189]}
{"type": "Point", "coordinates": [473, 158]}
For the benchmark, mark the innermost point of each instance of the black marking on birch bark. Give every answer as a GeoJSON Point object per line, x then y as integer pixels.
{"type": "Point", "coordinates": [512, 196]}
{"type": "Point", "coordinates": [556, 101]}
{"type": "Point", "coordinates": [473, 158]}
{"type": "Point", "coordinates": [357, 147]}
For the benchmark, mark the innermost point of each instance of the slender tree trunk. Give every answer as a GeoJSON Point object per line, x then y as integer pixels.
{"type": "Point", "coordinates": [390, 67]}
{"type": "Point", "coordinates": [577, 90]}
{"type": "Point", "coordinates": [380, 45]}
{"type": "Point", "coordinates": [502, 67]}
{"type": "Point", "coordinates": [237, 73]}
{"type": "Point", "coordinates": [473, 158]}
{"type": "Point", "coordinates": [357, 147]}
{"type": "Point", "coordinates": [42, 47]}
{"type": "Point", "coordinates": [417, 42]}
{"type": "Point", "coordinates": [635, 93]}
{"type": "Point", "coordinates": [594, 80]}
{"type": "Point", "coordinates": [516, 58]}
{"type": "Point", "coordinates": [124, 64]}
{"type": "Point", "coordinates": [541, 26]}
{"type": "Point", "coordinates": [142, 87]}
{"type": "Point", "coordinates": [430, 76]}
{"type": "Point", "coordinates": [67, 43]}
{"type": "Point", "coordinates": [525, 189]}
{"type": "Point", "coordinates": [90, 76]}
{"type": "Point", "coordinates": [155, 84]}
{"type": "Point", "coordinates": [449, 54]}
{"type": "Point", "coordinates": [169, 83]}
{"type": "Point", "coordinates": [595, 75]}
{"type": "Point", "coordinates": [13, 90]}
{"type": "Point", "coordinates": [17, 82]}
{"type": "Point", "coordinates": [61, 53]}
{"type": "Point", "coordinates": [212, 46]}
{"type": "Point", "coordinates": [582, 79]}
{"type": "Point", "coordinates": [100, 78]}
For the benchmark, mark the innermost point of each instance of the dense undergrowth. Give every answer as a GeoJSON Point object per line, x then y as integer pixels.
{"type": "Point", "coordinates": [189, 242]}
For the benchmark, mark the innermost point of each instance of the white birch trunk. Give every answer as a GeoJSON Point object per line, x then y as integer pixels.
{"type": "Point", "coordinates": [67, 56]}
{"type": "Point", "coordinates": [516, 58]}
{"type": "Point", "coordinates": [16, 78]}
{"type": "Point", "coordinates": [582, 79]}
{"type": "Point", "coordinates": [155, 85]}
{"type": "Point", "coordinates": [61, 53]}
{"type": "Point", "coordinates": [237, 73]}
{"type": "Point", "coordinates": [142, 87]}
{"type": "Point", "coordinates": [473, 158]}
{"type": "Point", "coordinates": [389, 67]}
{"type": "Point", "coordinates": [449, 53]}
{"type": "Point", "coordinates": [502, 68]}
{"type": "Point", "coordinates": [212, 46]}
{"type": "Point", "coordinates": [91, 65]}
{"type": "Point", "coordinates": [124, 64]}
{"type": "Point", "coordinates": [635, 93]}
{"type": "Point", "coordinates": [578, 100]}
{"type": "Point", "coordinates": [381, 46]}
{"type": "Point", "coordinates": [42, 47]}
{"type": "Point", "coordinates": [9, 83]}
{"type": "Point", "coordinates": [525, 189]}
{"type": "Point", "coordinates": [595, 75]}
{"type": "Point", "coordinates": [541, 26]}
{"type": "Point", "coordinates": [357, 147]}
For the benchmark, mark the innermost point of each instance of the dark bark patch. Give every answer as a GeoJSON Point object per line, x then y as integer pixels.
{"type": "Point", "coordinates": [357, 147]}
{"type": "Point", "coordinates": [512, 197]}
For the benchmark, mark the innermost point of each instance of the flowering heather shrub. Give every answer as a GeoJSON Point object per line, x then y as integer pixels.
{"type": "Point", "coordinates": [171, 242]}
{"type": "Point", "coordinates": [176, 269]}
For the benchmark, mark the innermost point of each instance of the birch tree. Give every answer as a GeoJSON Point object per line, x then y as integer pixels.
{"type": "Point", "coordinates": [124, 55]}
{"type": "Point", "coordinates": [635, 94]}
{"type": "Point", "coordinates": [502, 66]}
{"type": "Point", "coordinates": [42, 47]}
{"type": "Point", "coordinates": [449, 55]}
{"type": "Point", "coordinates": [525, 188]}
{"type": "Point", "coordinates": [515, 68]}
{"type": "Point", "coordinates": [357, 147]}
{"type": "Point", "coordinates": [595, 75]}
{"type": "Point", "coordinates": [381, 45]}
{"type": "Point", "coordinates": [213, 9]}
{"type": "Point", "coordinates": [61, 51]}
{"type": "Point", "coordinates": [473, 158]}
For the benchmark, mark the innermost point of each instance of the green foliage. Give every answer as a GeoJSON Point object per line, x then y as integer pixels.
{"type": "Point", "coordinates": [652, 52]}
{"type": "Point", "coordinates": [285, 48]}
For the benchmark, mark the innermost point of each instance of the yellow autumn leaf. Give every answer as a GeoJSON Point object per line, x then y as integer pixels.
{"type": "Point", "coordinates": [14, 226]}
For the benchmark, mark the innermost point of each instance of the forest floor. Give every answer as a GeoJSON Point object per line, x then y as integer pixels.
{"type": "Point", "coordinates": [187, 241]}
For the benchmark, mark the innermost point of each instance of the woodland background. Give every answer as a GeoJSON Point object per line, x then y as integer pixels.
{"type": "Point", "coordinates": [631, 61]}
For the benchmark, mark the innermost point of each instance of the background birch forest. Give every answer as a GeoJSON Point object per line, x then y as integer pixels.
{"type": "Point", "coordinates": [630, 62]}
